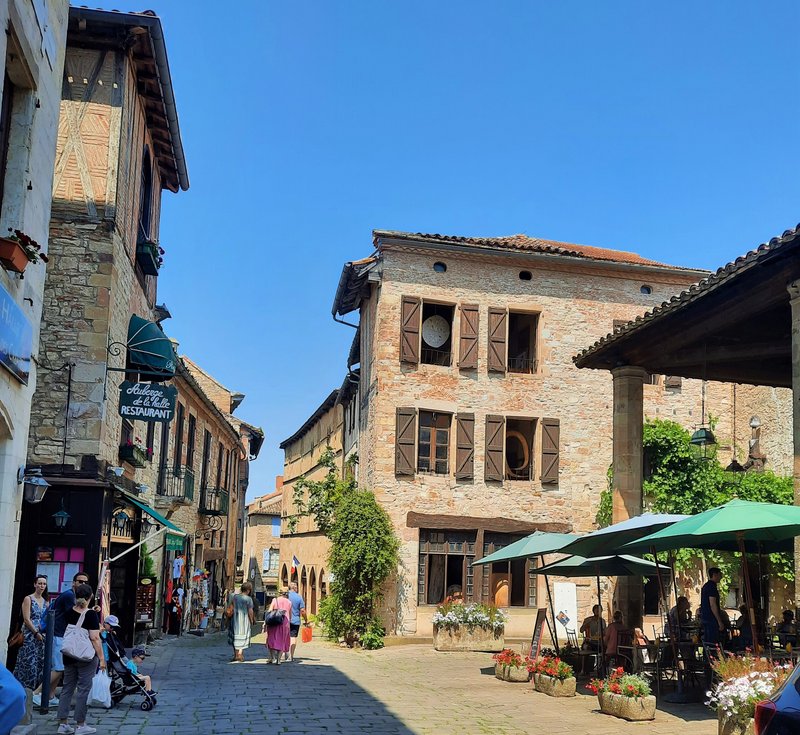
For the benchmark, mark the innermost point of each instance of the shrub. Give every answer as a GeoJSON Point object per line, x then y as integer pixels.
{"type": "Point", "coordinates": [373, 637]}
{"type": "Point", "coordinates": [455, 614]}
{"type": "Point", "coordinates": [551, 666]}
{"type": "Point", "coordinates": [509, 657]}
{"type": "Point", "coordinates": [618, 682]}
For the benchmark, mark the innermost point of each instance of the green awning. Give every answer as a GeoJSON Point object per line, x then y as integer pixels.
{"type": "Point", "coordinates": [150, 351]}
{"type": "Point", "coordinates": [154, 514]}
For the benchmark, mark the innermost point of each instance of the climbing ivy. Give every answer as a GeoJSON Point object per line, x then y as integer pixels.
{"type": "Point", "coordinates": [364, 551]}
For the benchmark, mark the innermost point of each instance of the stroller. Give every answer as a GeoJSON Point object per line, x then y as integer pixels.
{"type": "Point", "coordinates": [123, 681]}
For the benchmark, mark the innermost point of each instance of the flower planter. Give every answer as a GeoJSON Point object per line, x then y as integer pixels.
{"type": "Point", "coordinates": [133, 456]}
{"type": "Point", "coordinates": [464, 638]}
{"type": "Point", "coordinates": [735, 726]}
{"type": "Point", "coordinates": [147, 257]}
{"type": "Point", "coordinates": [511, 673]}
{"type": "Point", "coordinates": [553, 687]}
{"type": "Point", "coordinates": [634, 709]}
{"type": "Point", "coordinates": [12, 256]}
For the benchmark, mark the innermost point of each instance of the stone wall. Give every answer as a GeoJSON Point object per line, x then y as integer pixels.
{"type": "Point", "coordinates": [577, 305]}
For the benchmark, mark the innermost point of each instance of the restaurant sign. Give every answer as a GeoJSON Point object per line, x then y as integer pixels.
{"type": "Point", "coordinates": [16, 338]}
{"type": "Point", "coordinates": [147, 401]}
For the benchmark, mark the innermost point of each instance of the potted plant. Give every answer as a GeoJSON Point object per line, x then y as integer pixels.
{"type": "Point", "coordinates": [472, 627]}
{"type": "Point", "coordinates": [133, 452]}
{"type": "Point", "coordinates": [552, 676]}
{"type": "Point", "coordinates": [624, 695]}
{"type": "Point", "coordinates": [18, 249]}
{"type": "Point", "coordinates": [744, 681]}
{"type": "Point", "coordinates": [150, 256]}
{"type": "Point", "coordinates": [510, 666]}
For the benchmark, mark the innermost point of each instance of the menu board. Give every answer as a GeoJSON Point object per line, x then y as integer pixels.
{"type": "Point", "coordinates": [538, 628]}
{"type": "Point", "coordinates": [146, 600]}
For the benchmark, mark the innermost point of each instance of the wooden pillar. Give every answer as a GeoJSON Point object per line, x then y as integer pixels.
{"type": "Point", "coordinates": [794, 300]}
{"type": "Point", "coordinates": [627, 467]}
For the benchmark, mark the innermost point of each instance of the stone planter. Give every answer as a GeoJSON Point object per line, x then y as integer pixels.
{"type": "Point", "coordinates": [511, 673]}
{"type": "Point", "coordinates": [735, 726]}
{"type": "Point", "coordinates": [634, 709]}
{"type": "Point", "coordinates": [467, 639]}
{"type": "Point", "coordinates": [553, 687]}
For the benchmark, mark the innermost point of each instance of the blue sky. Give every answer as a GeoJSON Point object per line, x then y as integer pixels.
{"type": "Point", "coordinates": [670, 130]}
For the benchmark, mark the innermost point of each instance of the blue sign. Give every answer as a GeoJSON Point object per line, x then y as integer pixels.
{"type": "Point", "coordinates": [16, 338]}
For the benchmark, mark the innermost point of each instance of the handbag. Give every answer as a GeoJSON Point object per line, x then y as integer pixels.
{"type": "Point", "coordinates": [77, 643]}
{"type": "Point", "coordinates": [274, 618]}
{"type": "Point", "coordinates": [229, 609]}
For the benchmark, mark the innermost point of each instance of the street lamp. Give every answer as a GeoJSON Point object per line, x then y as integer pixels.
{"type": "Point", "coordinates": [34, 486]}
{"type": "Point", "coordinates": [120, 519]}
{"type": "Point", "coordinates": [61, 518]}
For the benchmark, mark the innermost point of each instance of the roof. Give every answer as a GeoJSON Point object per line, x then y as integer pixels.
{"type": "Point", "coordinates": [186, 374]}
{"type": "Point", "coordinates": [523, 243]}
{"type": "Point", "coordinates": [324, 407]}
{"type": "Point", "coordinates": [738, 283]}
{"type": "Point", "coordinates": [269, 504]}
{"type": "Point", "coordinates": [352, 285]}
{"type": "Point", "coordinates": [148, 53]}
{"type": "Point", "coordinates": [354, 356]}
{"type": "Point", "coordinates": [349, 386]}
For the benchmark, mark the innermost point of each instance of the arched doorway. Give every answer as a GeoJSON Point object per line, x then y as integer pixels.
{"type": "Point", "coordinates": [323, 585]}
{"type": "Point", "coordinates": [284, 577]}
{"type": "Point", "coordinates": [304, 585]}
{"type": "Point", "coordinates": [313, 580]}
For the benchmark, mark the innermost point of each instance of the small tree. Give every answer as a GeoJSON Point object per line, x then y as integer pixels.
{"type": "Point", "coordinates": [363, 551]}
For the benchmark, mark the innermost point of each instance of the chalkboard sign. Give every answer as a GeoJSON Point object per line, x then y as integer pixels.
{"type": "Point", "coordinates": [538, 628]}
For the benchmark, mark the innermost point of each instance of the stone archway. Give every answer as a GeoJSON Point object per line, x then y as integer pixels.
{"type": "Point", "coordinates": [313, 585]}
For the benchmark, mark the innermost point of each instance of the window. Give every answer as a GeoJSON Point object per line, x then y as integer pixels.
{"type": "Point", "coordinates": [150, 441]}
{"type": "Point", "coordinates": [146, 196]}
{"type": "Point", "coordinates": [179, 438]}
{"type": "Point", "coordinates": [437, 334]}
{"type": "Point", "coordinates": [190, 442]}
{"type": "Point", "coordinates": [507, 583]}
{"type": "Point", "coordinates": [222, 539]}
{"type": "Point", "coordinates": [5, 129]}
{"type": "Point", "coordinates": [219, 466]}
{"type": "Point", "coordinates": [646, 290]}
{"type": "Point", "coordinates": [525, 276]}
{"type": "Point", "coordinates": [276, 527]}
{"type": "Point", "coordinates": [213, 538]}
{"type": "Point", "coordinates": [127, 433]}
{"type": "Point", "coordinates": [206, 458]}
{"type": "Point", "coordinates": [519, 448]}
{"type": "Point", "coordinates": [433, 445]}
{"type": "Point", "coordinates": [445, 566]}
{"type": "Point", "coordinates": [440, 267]}
{"type": "Point", "coordinates": [522, 342]}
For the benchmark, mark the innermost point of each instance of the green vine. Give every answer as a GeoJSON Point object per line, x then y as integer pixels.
{"type": "Point", "coordinates": [364, 550]}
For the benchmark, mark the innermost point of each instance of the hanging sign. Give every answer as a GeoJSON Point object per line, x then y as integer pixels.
{"type": "Point", "coordinates": [147, 401]}
{"type": "Point", "coordinates": [16, 338]}
{"type": "Point", "coordinates": [174, 542]}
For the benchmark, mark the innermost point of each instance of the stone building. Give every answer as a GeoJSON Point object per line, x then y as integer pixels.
{"type": "Point", "coordinates": [262, 542]}
{"type": "Point", "coordinates": [475, 426]}
{"type": "Point", "coordinates": [304, 550]}
{"type": "Point", "coordinates": [32, 52]}
{"type": "Point", "coordinates": [118, 147]}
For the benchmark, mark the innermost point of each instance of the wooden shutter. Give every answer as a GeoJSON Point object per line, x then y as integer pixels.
{"type": "Point", "coordinates": [551, 435]}
{"type": "Point", "coordinates": [405, 442]}
{"type": "Point", "coordinates": [495, 440]}
{"type": "Point", "coordinates": [465, 446]}
{"type": "Point", "coordinates": [498, 326]}
{"type": "Point", "coordinates": [410, 309]}
{"type": "Point", "coordinates": [468, 344]}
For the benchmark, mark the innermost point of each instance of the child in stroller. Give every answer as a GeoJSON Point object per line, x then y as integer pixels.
{"type": "Point", "coordinates": [123, 680]}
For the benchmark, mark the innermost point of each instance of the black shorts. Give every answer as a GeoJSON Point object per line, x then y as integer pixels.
{"type": "Point", "coordinates": [294, 630]}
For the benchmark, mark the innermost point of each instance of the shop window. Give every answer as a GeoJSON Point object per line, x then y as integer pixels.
{"type": "Point", "coordinates": [508, 583]}
{"type": "Point", "coordinates": [59, 564]}
{"type": "Point", "coordinates": [522, 342]}
{"type": "Point", "coordinates": [519, 448]}
{"type": "Point", "coordinates": [437, 334]}
{"type": "Point", "coordinates": [651, 595]}
{"type": "Point", "coordinates": [433, 444]}
{"type": "Point", "coordinates": [445, 566]}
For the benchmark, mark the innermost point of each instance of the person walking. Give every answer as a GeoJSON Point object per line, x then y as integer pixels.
{"type": "Point", "coordinates": [298, 610]}
{"type": "Point", "coordinates": [30, 660]}
{"type": "Point", "coordinates": [278, 638]}
{"type": "Point", "coordinates": [61, 605]}
{"type": "Point", "coordinates": [78, 675]}
{"type": "Point", "coordinates": [241, 621]}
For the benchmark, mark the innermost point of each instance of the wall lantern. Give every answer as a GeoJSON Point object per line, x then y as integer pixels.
{"type": "Point", "coordinates": [61, 518]}
{"type": "Point", "coordinates": [703, 437]}
{"type": "Point", "coordinates": [148, 527]}
{"type": "Point", "coordinates": [34, 486]}
{"type": "Point", "coordinates": [120, 518]}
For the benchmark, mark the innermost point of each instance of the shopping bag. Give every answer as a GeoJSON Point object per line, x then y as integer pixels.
{"type": "Point", "coordinates": [307, 634]}
{"type": "Point", "coordinates": [100, 695]}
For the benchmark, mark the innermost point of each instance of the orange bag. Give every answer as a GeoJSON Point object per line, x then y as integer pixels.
{"type": "Point", "coordinates": [307, 634]}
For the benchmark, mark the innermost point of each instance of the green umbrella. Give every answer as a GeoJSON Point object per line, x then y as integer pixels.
{"type": "Point", "coordinates": [729, 527]}
{"type": "Point", "coordinates": [618, 565]}
{"type": "Point", "coordinates": [538, 543]}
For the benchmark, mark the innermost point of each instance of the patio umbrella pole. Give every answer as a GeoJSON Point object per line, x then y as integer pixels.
{"type": "Point", "coordinates": [749, 592]}
{"type": "Point", "coordinates": [553, 633]}
{"type": "Point", "coordinates": [601, 643]}
{"type": "Point", "coordinates": [679, 695]}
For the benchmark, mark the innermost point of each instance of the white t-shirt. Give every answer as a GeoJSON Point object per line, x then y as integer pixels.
{"type": "Point", "coordinates": [177, 567]}
{"type": "Point", "coordinates": [180, 594]}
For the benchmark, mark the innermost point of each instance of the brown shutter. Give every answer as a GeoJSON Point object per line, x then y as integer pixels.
{"type": "Point", "coordinates": [551, 434]}
{"type": "Point", "coordinates": [498, 319]}
{"type": "Point", "coordinates": [493, 466]}
{"type": "Point", "coordinates": [468, 345]}
{"type": "Point", "coordinates": [465, 446]}
{"type": "Point", "coordinates": [409, 329]}
{"type": "Point", "coordinates": [405, 442]}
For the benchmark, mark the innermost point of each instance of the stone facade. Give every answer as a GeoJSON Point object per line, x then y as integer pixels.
{"type": "Point", "coordinates": [576, 301]}
{"type": "Point", "coordinates": [32, 50]}
{"type": "Point", "coordinates": [262, 540]}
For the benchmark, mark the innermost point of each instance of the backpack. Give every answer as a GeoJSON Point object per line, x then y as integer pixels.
{"type": "Point", "coordinates": [77, 643]}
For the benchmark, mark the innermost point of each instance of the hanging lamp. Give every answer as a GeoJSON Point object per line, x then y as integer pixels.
{"type": "Point", "coordinates": [703, 436]}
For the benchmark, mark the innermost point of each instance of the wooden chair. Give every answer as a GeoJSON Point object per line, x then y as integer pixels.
{"type": "Point", "coordinates": [580, 654]}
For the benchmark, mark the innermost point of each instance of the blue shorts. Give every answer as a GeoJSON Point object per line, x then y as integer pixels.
{"type": "Point", "coordinates": [58, 661]}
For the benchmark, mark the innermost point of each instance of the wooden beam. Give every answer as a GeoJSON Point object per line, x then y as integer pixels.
{"type": "Point", "coordinates": [725, 353]}
{"type": "Point", "coordinates": [472, 523]}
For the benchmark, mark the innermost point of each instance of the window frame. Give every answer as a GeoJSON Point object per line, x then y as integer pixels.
{"type": "Point", "coordinates": [533, 355]}
{"type": "Point", "coordinates": [530, 591]}
{"type": "Point", "coordinates": [433, 443]}
{"type": "Point", "coordinates": [429, 547]}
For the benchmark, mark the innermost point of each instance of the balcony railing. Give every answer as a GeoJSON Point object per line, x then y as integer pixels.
{"type": "Point", "coordinates": [176, 483]}
{"type": "Point", "coordinates": [214, 501]}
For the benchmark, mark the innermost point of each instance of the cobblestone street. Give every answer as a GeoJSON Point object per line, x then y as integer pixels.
{"type": "Point", "coordinates": [399, 690]}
